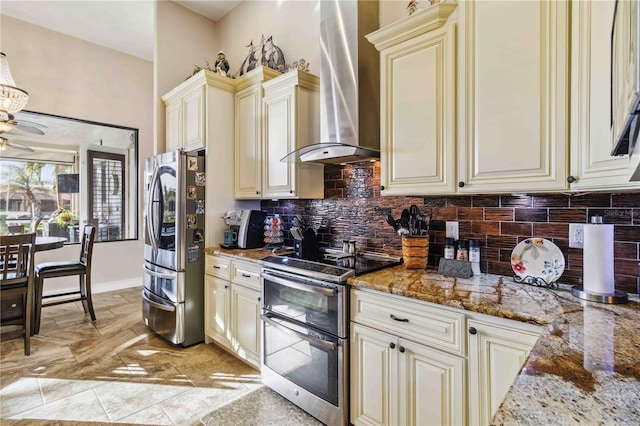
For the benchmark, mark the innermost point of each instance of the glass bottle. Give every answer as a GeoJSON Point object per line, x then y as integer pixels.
{"type": "Point", "coordinates": [449, 248]}
{"type": "Point", "coordinates": [463, 250]}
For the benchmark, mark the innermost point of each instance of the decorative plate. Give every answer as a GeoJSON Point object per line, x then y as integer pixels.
{"type": "Point", "coordinates": [537, 258]}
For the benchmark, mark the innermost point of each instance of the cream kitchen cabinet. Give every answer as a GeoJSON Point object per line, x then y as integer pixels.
{"type": "Point", "coordinates": [291, 116]}
{"type": "Point", "coordinates": [189, 108]}
{"type": "Point", "coordinates": [416, 379]}
{"type": "Point", "coordinates": [592, 166]}
{"type": "Point", "coordinates": [232, 307]}
{"type": "Point", "coordinates": [513, 69]}
{"type": "Point", "coordinates": [418, 77]}
{"type": "Point", "coordinates": [497, 350]}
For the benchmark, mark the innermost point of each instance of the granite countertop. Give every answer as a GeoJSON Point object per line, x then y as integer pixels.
{"type": "Point", "coordinates": [584, 368]}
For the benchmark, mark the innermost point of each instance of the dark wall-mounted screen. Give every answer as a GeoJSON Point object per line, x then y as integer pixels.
{"type": "Point", "coordinates": [69, 183]}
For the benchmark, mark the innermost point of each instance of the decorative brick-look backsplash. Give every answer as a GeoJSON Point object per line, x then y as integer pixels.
{"type": "Point", "coordinates": [354, 209]}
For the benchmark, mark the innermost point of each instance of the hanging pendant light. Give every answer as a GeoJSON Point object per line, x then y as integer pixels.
{"type": "Point", "coordinates": [12, 98]}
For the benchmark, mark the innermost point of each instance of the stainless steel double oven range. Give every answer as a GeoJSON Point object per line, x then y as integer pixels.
{"type": "Point", "coordinates": [305, 313]}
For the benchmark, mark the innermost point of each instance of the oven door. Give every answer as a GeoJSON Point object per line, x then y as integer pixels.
{"type": "Point", "coordinates": [307, 301]}
{"type": "Point", "coordinates": [306, 366]}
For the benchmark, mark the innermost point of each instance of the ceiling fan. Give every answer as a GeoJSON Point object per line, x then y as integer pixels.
{"type": "Point", "coordinates": [10, 124]}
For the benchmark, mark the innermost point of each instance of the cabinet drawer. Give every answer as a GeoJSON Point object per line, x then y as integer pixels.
{"type": "Point", "coordinates": [218, 266]}
{"type": "Point", "coordinates": [410, 319]}
{"type": "Point", "coordinates": [245, 273]}
{"type": "Point", "coordinates": [12, 308]}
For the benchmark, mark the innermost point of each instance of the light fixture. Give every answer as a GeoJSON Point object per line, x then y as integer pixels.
{"type": "Point", "coordinates": [12, 98]}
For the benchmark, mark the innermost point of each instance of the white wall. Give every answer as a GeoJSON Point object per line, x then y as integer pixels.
{"type": "Point", "coordinates": [73, 78]}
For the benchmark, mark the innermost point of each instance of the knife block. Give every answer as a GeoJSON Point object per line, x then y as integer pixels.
{"type": "Point", "coordinates": [415, 251]}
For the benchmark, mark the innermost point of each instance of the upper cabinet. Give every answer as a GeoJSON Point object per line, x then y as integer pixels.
{"type": "Point", "coordinates": [249, 132]}
{"type": "Point", "coordinates": [275, 114]}
{"type": "Point", "coordinates": [291, 116]}
{"type": "Point", "coordinates": [592, 166]}
{"type": "Point", "coordinates": [417, 129]}
{"type": "Point", "coordinates": [189, 106]}
{"type": "Point", "coordinates": [513, 96]}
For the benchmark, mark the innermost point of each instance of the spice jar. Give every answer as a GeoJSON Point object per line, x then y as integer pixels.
{"type": "Point", "coordinates": [449, 248]}
{"type": "Point", "coordinates": [463, 250]}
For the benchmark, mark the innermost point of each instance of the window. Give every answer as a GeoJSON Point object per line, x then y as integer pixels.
{"type": "Point", "coordinates": [77, 173]}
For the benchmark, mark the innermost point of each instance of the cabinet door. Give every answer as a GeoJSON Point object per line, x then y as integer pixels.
{"type": "Point", "coordinates": [513, 65]}
{"type": "Point", "coordinates": [279, 137]}
{"type": "Point", "coordinates": [248, 154]}
{"type": "Point", "coordinates": [245, 306]}
{"type": "Point", "coordinates": [174, 126]}
{"type": "Point", "coordinates": [496, 354]}
{"type": "Point", "coordinates": [625, 67]}
{"type": "Point", "coordinates": [431, 386]}
{"type": "Point", "coordinates": [417, 148]}
{"type": "Point", "coordinates": [374, 399]}
{"type": "Point", "coordinates": [591, 141]}
{"type": "Point", "coordinates": [193, 105]}
{"type": "Point", "coordinates": [217, 312]}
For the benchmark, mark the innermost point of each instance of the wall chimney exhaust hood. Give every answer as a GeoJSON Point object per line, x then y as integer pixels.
{"type": "Point", "coordinates": [349, 86]}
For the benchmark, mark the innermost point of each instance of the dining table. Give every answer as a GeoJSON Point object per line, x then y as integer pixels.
{"type": "Point", "coordinates": [49, 243]}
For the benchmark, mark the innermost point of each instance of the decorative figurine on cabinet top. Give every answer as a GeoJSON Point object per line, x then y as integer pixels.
{"type": "Point", "coordinates": [221, 66]}
{"type": "Point", "coordinates": [266, 53]}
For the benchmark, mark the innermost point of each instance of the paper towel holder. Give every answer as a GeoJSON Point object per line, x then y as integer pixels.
{"type": "Point", "coordinates": [611, 298]}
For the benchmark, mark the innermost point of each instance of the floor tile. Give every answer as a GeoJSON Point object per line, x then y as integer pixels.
{"type": "Point", "coordinates": [116, 370]}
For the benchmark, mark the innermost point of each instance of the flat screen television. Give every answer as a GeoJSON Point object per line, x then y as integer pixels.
{"type": "Point", "coordinates": [69, 183]}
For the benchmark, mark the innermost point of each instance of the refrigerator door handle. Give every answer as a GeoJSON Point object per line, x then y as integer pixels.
{"type": "Point", "coordinates": [159, 274]}
{"type": "Point", "coordinates": [158, 305]}
{"type": "Point", "coordinates": [150, 207]}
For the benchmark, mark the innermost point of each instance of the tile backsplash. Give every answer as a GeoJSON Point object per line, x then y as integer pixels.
{"type": "Point", "coordinates": [354, 209]}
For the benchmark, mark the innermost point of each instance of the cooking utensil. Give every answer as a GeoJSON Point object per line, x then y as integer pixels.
{"type": "Point", "coordinates": [391, 221]}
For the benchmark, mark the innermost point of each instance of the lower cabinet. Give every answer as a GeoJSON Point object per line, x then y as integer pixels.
{"type": "Point", "coordinates": [412, 365]}
{"type": "Point", "coordinates": [232, 308]}
{"type": "Point", "coordinates": [496, 355]}
{"type": "Point", "coordinates": [400, 382]}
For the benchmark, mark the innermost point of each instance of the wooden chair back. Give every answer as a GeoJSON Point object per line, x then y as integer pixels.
{"type": "Point", "coordinates": [86, 249]}
{"type": "Point", "coordinates": [33, 227]}
{"type": "Point", "coordinates": [16, 257]}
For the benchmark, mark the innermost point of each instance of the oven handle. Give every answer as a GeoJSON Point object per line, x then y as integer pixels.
{"type": "Point", "coordinates": [327, 345]}
{"type": "Point", "coordinates": [299, 286]}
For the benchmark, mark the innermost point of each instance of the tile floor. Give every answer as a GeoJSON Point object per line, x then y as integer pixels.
{"type": "Point", "coordinates": [116, 370]}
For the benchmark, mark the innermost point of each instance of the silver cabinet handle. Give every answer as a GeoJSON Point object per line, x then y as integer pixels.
{"type": "Point", "coordinates": [327, 345]}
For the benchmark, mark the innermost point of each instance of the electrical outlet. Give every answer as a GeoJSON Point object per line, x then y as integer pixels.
{"type": "Point", "coordinates": [576, 235]}
{"type": "Point", "coordinates": [452, 230]}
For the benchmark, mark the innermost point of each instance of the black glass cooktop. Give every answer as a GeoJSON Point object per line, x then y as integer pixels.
{"type": "Point", "coordinates": [340, 268]}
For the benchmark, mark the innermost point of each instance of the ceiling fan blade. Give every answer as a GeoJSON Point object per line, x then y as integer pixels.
{"type": "Point", "coordinates": [28, 129]}
{"type": "Point", "coordinates": [31, 123]}
{"type": "Point", "coordinates": [20, 146]}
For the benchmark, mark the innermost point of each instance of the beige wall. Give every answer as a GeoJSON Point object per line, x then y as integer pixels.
{"type": "Point", "coordinates": [183, 39]}
{"type": "Point", "coordinates": [294, 25]}
{"type": "Point", "coordinates": [73, 78]}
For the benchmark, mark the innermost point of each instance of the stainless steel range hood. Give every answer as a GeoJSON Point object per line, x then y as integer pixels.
{"type": "Point", "coordinates": [349, 86]}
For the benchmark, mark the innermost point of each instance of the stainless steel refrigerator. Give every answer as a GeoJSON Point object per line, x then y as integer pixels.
{"type": "Point", "coordinates": [174, 229]}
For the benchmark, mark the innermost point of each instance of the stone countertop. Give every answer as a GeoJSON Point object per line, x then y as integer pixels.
{"type": "Point", "coordinates": [246, 254]}
{"type": "Point", "coordinates": [584, 368]}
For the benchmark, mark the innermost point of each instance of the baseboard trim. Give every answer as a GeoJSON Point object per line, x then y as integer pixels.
{"type": "Point", "coordinates": [102, 287]}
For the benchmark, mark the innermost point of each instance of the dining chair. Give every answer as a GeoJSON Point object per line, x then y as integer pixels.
{"type": "Point", "coordinates": [17, 285]}
{"type": "Point", "coordinates": [33, 226]}
{"type": "Point", "coordinates": [15, 229]}
{"type": "Point", "coordinates": [65, 268]}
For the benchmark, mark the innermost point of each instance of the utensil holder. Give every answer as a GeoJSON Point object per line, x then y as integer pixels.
{"type": "Point", "coordinates": [415, 251]}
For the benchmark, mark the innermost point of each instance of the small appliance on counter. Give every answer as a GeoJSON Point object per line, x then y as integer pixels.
{"type": "Point", "coordinates": [247, 226]}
